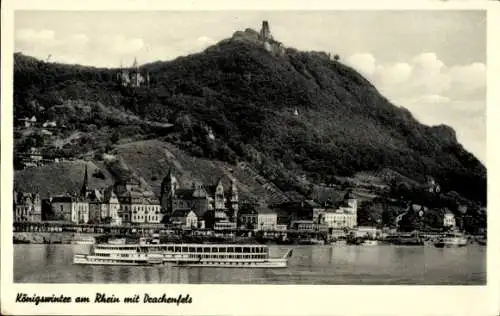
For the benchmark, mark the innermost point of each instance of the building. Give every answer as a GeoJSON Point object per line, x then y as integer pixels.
{"type": "Point", "coordinates": [260, 218]}
{"type": "Point", "coordinates": [184, 219]}
{"type": "Point", "coordinates": [133, 77]}
{"type": "Point", "coordinates": [449, 219]}
{"type": "Point", "coordinates": [63, 208]}
{"type": "Point", "coordinates": [432, 186]}
{"type": "Point", "coordinates": [81, 211]}
{"type": "Point", "coordinates": [27, 207]}
{"type": "Point", "coordinates": [97, 207]}
{"type": "Point", "coordinates": [267, 219]}
{"type": "Point", "coordinates": [139, 208]}
{"type": "Point", "coordinates": [308, 226]}
{"type": "Point", "coordinates": [49, 124]}
{"type": "Point", "coordinates": [212, 203]}
{"type": "Point", "coordinates": [112, 208]}
{"type": "Point", "coordinates": [343, 214]}
{"type": "Point", "coordinates": [338, 219]}
{"type": "Point", "coordinates": [28, 122]}
{"type": "Point", "coordinates": [103, 204]}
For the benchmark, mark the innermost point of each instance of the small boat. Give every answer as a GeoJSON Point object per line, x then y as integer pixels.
{"type": "Point", "coordinates": [117, 241]}
{"type": "Point", "coordinates": [191, 255]}
{"type": "Point", "coordinates": [370, 242]}
{"type": "Point", "coordinates": [310, 241]}
{"type": "Point", "coordinates": [481, 241]}
{"type": "Point", "coordinates": [412, 239]}
{"type": "Point", "coordinates": [354, 241]}
{"type": "Point", "coordinates": [452, 240]}
{"type": "Point", "coordinates": [83, 240]}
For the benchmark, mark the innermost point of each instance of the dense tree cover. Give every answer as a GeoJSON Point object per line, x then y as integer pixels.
{"type": "Point", "coordinates": [247, 97]}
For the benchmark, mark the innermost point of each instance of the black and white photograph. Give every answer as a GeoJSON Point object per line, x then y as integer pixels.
{"type": "Point", "coordinates": [249, 147]}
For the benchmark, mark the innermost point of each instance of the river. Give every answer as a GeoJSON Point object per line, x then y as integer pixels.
{"type": "Point", "coordinates": [332, 264]}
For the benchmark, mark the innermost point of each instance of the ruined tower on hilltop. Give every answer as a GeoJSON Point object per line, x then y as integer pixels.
{"type": "Point", "coordinates": [265, 32]}
{"type": "Point", "coordinates": [269, 43]}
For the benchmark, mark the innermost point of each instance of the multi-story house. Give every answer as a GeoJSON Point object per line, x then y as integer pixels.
{"type": "Point", "coordinates": [184, 219]}
{"type": "Point", "coordinates": [27, 207]}
{"type": "Point", "coordinates": [448, 219]}
{"type": "Point", "coordinates": [212, 203]}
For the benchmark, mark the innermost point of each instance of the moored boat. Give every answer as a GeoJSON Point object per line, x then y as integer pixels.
{"type": "Point", "coordinates": [451, 240]}
{"type": "Point", "coordinates": [481, 241]}
{"type": "Point", "coordinates": [117, 241]}
{"type": "Point", "coordinates": [193, 255]}
{"type": "Point", "coordinates": [412, 239]}
{"type": "Point", "coordinates": [83, 240]}
{"type": "Point", "coordinates": [370, 242]}
{"type": "Point", "coordinates": [310, 241]}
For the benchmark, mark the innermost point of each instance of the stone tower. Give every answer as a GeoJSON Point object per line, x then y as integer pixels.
{"type": "Point", "coordinates": [219, 195]}
{"type": "Point", "coordinates": [234, 200]}
{"type": "Point", "coordinates": [265, 32]}
{"type": "Point", "coordinates": [169, 186]}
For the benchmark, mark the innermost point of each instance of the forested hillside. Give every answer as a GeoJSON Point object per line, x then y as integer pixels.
{"type": "Point", "coordinates": [285, 114]}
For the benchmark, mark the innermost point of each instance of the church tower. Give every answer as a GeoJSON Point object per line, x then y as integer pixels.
{"type": "Point", "coordinates": [169, 186]}
{"type": "Point", "coordinates": [234, 200]}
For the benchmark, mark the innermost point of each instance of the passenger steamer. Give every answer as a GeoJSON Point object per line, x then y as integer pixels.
{"type": "Point", "coordinates": [192, 255]}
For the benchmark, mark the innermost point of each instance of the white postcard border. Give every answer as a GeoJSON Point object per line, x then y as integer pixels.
{"type": "Point", "coordinates": [259, 299]}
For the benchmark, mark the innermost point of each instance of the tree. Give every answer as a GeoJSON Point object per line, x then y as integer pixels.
{"type": "Point", "coordinates": [410, 221]}
{"type": "Point", "coordinates": [389, 215]}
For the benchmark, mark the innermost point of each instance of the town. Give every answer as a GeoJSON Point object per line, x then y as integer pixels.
{"type": "Point", "coordinates": [204, 210]}
{"type": "Point", "coordinates": [216, 209]}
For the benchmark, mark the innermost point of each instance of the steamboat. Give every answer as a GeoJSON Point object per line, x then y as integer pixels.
{"type": "Point", "coordinates": [191, 255]}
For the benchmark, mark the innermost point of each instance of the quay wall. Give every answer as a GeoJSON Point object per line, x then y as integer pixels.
{"type": "Point", "coordinates": [46, 238]}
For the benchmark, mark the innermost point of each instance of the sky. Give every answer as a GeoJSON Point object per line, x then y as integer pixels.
{"type": "Point", "coordinates": [430, 62]}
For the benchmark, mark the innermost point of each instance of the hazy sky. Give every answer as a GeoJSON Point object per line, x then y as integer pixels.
{"type": "Point", "coordinates": [431, 62]}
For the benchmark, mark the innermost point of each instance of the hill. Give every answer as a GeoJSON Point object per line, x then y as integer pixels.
{"type": "Point", "coordinates": [148, 161]}
{"type": "Point", "coordinates": [61, 178]}
{"type": "Point", "coordinates": [237, 101]}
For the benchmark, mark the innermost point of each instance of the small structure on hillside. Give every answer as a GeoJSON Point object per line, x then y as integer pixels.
{"type": "Point", "coordinates": [133, 77]}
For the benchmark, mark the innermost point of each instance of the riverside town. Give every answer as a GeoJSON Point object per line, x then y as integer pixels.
{"type": "Point", "coordinates": [286, 166]}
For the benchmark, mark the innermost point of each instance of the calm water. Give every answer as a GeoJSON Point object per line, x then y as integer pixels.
{"type": "Point", "coordinates": [335, 264]}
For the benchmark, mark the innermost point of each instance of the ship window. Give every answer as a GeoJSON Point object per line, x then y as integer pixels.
{"type": "Point", "coordinates": [237, 249]}
{"type": "Point", "coordinates": [230, 249]}
{"type": "Point", "coordinates": [214, 249]}
{"type": "Point", "coordinates": [222, 249]}
{"type": "Point", "coordinates": [246, 249]}
{"type": "Point", "coordinates": [206, 249]}
{"type": "Point", "coordinates": [191, 249]}
{"type": "Point", "coordinates": [184, 249]}
{"type": "Point", "coordinates": [199, 249]}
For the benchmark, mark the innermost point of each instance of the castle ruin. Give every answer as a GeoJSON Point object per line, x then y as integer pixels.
{"type": "Point", "coordinates": [270, 44]}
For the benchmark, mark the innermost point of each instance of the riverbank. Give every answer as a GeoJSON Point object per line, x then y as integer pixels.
{"type": "Point", "coordinates": [46, 238]}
